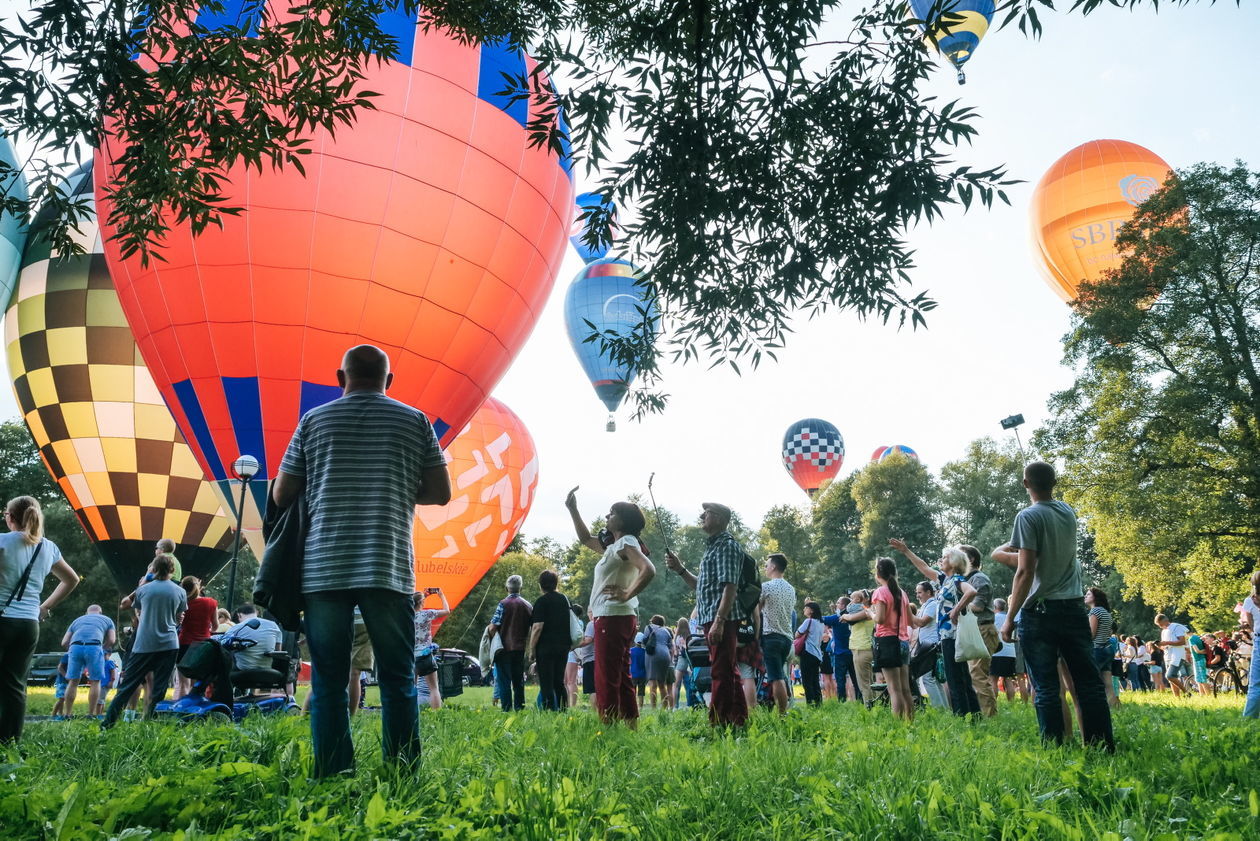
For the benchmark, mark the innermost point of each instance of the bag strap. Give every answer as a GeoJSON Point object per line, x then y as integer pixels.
{"type": "Point", "coordinates": [20, 589]}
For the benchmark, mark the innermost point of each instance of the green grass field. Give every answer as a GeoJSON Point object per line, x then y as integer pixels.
{"type": "Point", "coordinates": [1185, 770]}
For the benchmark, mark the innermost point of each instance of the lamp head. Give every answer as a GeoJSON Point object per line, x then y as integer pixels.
{"type": "Point", "coordinates": [245, 467]}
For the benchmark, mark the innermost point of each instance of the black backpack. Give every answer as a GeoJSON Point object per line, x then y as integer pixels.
{"type": "Point", "coordinates": [649, 641]}
{"type": "Point", "coordinates": [748, 592]}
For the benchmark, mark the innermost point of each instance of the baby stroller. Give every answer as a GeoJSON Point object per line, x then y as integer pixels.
{"type": "Point", "coordinates": [224, 693]}
{"type": "Point", "coordinates": [701, 667]}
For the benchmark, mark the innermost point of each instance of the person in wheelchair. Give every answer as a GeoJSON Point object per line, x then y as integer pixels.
{"type": "Point", "coordinates": [254, 644]}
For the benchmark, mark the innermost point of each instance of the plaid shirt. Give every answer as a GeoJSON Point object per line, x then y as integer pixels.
{"type": "Point", "coordinates": [720, 565]}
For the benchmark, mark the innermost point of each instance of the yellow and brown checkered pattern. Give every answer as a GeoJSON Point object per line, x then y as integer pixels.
{"type": "Point", "coordinates": [101, 426]}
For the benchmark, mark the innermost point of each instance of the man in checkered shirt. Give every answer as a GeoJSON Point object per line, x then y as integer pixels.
{"type": "Point", "coordinates": [718, 611]}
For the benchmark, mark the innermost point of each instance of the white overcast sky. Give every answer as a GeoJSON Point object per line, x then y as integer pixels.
{"type": "Point", "coordinates": [1180, 82]}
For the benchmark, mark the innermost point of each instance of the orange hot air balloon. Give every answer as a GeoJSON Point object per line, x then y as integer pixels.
{"type": "Point", "coordinates": [494, 471]}
{"type": "Point", "coordinates": [431, 227]}
{"type": "Point", "coordinates": [1081, 203]}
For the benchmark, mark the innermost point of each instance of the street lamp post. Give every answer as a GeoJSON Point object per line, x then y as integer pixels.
{"type": "Point", "coordinates": [245, 467]}
{"type": "Point", "coordinates": [1013, 423]}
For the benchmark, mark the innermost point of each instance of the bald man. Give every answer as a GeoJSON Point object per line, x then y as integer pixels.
{"type": "Point", "coordinates": [362, 463]}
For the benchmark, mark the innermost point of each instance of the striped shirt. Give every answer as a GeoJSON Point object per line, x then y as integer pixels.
{"type": "Point", "coordinates": [721, 564]}
{"type": "Point", "coordinates": [1103, 636]}
{"type": "Point", "coordinates": [362, 457]}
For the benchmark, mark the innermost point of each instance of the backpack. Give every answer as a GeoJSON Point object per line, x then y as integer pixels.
{"type": "Point", "coordinates": [649, 641]}
{"type": "Point", "coordinates": [748, 592]}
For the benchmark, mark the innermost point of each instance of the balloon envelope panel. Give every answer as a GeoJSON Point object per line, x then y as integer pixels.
{"type": "Point", "coordinates": [101, 426]}
{"type": "Point", "coordinates": [12, 229]}
{"type": "Point", "coordinates": [813, 452]}
{"type": "Point", "coordinates": [898, 450]}
{"type": "Point", "coordinates": [494, 471]}
{"type": "Point", "coordinates": [1080, 204]}
{"type": "Point", "coordinates": [606, 294]}
{"type": "Point", "coordinates": [430, 228]}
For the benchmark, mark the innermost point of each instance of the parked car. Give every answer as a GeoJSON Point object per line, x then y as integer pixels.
{"type": "Point", "coordinates": [472, 668]}
{"type": "Point", "coordinates": [43, 669]}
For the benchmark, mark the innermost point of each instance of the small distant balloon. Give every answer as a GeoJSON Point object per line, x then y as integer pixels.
{"type": "Point", "coordinates": [607, 295]}
{"type": "Point", "coordinates": [897, 450]}
{"type": "Point", "coordinates": [957, 27]}
{"type": "Point", "coordinates": [813, 451]}
{"type": "Point", "coordinates": [879, 451]}
{"type": "Point", "coordinates": [583, 205]}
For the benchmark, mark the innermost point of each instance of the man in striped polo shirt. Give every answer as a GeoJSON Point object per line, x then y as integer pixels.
{"type": "Point", "coordinates": [363, 462]}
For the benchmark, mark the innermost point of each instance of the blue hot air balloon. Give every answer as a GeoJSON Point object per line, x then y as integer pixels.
{"type": "Point", "coordinates": [583, 205]}
{"type": "Point", "coordinates": [956, 26]}
{"type": "Point", "coordinates": [898, 450]}
{"type": "Point", "coordinates": [12, 229]}
{"type": "Point", "coordinates": [605, 295]}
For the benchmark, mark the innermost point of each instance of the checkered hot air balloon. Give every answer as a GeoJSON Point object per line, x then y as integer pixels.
{"type": "Point", "coordinates": [813, 451]}
{"type": "Point", "coordinates": [432, 227]}
{"type": "Point", "coordinates": [101, 426]}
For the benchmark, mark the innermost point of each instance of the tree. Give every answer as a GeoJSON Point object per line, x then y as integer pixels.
{"type": "Point", "coordinates": [789, 529]}
{"type": "Point", "coordinates": [770, 171]}
{"type": "Point", "coordinates": [22, 473]}
{"type": "Point", "coordinates": [980, 495]}
{"type": "Point", "coordinates": [837, 526]}
{"type": "Point", "coordinates": [1160, 432]}
{"type": "Point", "coordinates": [895, 497]}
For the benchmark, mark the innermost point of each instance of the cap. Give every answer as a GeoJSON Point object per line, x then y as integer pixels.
{"type": "Point", "coordinates": [638, 637]}
{"type": "Point", "coordinates": [717, 508]}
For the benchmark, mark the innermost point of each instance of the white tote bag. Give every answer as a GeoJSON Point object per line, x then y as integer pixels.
{"type": "Point", "coordinates": [968, 642]}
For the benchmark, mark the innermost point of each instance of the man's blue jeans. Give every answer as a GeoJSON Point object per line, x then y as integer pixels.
{"type": "Point", "coordinates": [842, 666]}
{"type": "Point", "coordinates": [1252, 708]}
{"type": "Point", "coordinates": [1055, 629]}
{"type": "Point", "coordinates": [389, 617]}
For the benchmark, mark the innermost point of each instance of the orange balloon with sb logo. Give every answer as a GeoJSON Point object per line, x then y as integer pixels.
{"type": "Point", "coordinates": [1080, 205]}
{"type": "Point", "coordinates": [494, 471]}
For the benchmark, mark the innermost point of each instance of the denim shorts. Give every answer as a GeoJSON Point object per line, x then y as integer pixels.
{"type": "Point", "coordinates": [1103, 657]}
{"type": "Point", "coordinates": [774, 652]}
{"type": "Point", "coordinates": [1177, 670]}
{"type": "Point", "coordinates": [87, 657]}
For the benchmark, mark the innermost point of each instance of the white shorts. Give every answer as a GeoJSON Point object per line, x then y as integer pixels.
{"type": "Point", "coordinates": [746, 672]}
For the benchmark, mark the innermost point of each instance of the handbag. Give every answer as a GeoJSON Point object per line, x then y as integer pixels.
{"type": "Point", "coordinates": [489, 647]}
{"type": "Point", "coordinates": [20, 589]}
{"type": "Point", "coordinates": [798, 644]}
{"type": "Point", "coordinates": [576, 632]}
{"type": "Point", "coordinates": [969, 643]}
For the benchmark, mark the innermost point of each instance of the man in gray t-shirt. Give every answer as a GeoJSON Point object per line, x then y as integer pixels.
{"type": "Point", "coordinates": [161, 604]}
{"type": "Point", "coordinates": [362, 464]}
{"type": "Point", "coordinates": [1054, 626]}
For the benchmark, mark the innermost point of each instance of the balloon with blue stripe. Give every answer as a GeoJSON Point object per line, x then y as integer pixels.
{"type": "Point", "coordinates": [608, 298]}
{"type": "Point", "coordinates": [12, 228]}
{"type": "Point", "coordinates": [956, 27]}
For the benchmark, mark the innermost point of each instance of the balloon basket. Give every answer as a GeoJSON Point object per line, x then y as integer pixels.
{"type": "Point", "coordinates": [611, 426]}
{"type": "Point", "coordinates": [962, 77]}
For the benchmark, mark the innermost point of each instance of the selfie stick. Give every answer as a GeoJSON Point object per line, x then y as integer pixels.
{"type": "Point", "coordinates": [657, 511]}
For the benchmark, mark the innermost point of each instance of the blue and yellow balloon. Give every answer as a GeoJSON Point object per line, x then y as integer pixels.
{"type": "Point", "coordinates": [607, 296]}
{"type": "Point", "coordinates": [956, 27]}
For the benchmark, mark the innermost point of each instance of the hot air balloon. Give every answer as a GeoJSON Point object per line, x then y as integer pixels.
{"type": "Point", "coordinates": [898, 450]}
{"type": "Point", "coordinates": [101, 426]}
{"type": "Point", "coordinates": [879, 451]}
{"type": "Point", "coordinates": [431, 228]}
{"type": "Point", "coordinates": [494, 472]}
{"type": "Point", "coordinates": [12, 229]}
{"type": "Point", "coordinates": [1081, 203]}
{"type": "Point", "coordinates": [605, 294]}
{"type": "Point", "coordinates": [585, 203]}
{"type": "Point", "coordinates": [813, 450]}
{"type": "Point", "coordinates": [956, 26]}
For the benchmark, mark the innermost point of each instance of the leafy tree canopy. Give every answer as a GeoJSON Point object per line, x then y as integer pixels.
{"type": "Point", "coordinates": [1161, 430]}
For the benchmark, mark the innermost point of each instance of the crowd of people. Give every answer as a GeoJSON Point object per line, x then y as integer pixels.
{"type": "Point", "coordinates": [357, 467]}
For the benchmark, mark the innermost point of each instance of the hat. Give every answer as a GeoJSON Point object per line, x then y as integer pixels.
{"type": "Point", "coordinates": [638, 638]}
{"type": "Point", "coordinates": [717, 508]}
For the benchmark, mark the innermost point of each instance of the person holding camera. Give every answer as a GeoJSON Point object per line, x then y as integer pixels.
{"type": "Point", "coordinates": [425, 650]}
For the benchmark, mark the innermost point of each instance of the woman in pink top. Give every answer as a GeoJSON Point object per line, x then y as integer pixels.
{"type": "Point", "coordinates": [891, 611]}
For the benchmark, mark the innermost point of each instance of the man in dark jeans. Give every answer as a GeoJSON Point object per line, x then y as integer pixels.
{"type": "Point", "coordinates": [511, 622]}
{"type": "Point", "coordinates": [1048, 594]}
{"type": "Point", "coordinates": [161, 604]}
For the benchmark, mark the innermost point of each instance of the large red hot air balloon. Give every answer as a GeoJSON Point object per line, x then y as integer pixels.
{"type": "Point", "coordinates": [494, 471]}
{"type": "Point", "coordinates": [430, 228]}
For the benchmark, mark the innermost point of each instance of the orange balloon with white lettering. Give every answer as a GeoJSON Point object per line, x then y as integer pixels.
{"type": "Point", "coordinates": [1080, 205]}
{"type": "Point", "coordinates": [494, 472]}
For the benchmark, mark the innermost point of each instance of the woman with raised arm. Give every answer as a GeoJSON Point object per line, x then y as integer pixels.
{"type": "Point", "coordinates": [955, 594]}
{"type": "Point", "coordinates": [620, 576]}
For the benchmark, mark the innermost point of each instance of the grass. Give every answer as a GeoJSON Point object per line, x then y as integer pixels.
{"type": "Point", "coordinates": [1185, 770]}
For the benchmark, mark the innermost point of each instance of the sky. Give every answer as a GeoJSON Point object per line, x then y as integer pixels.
{"type": "Point", "coordinates": [1180, 82]}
